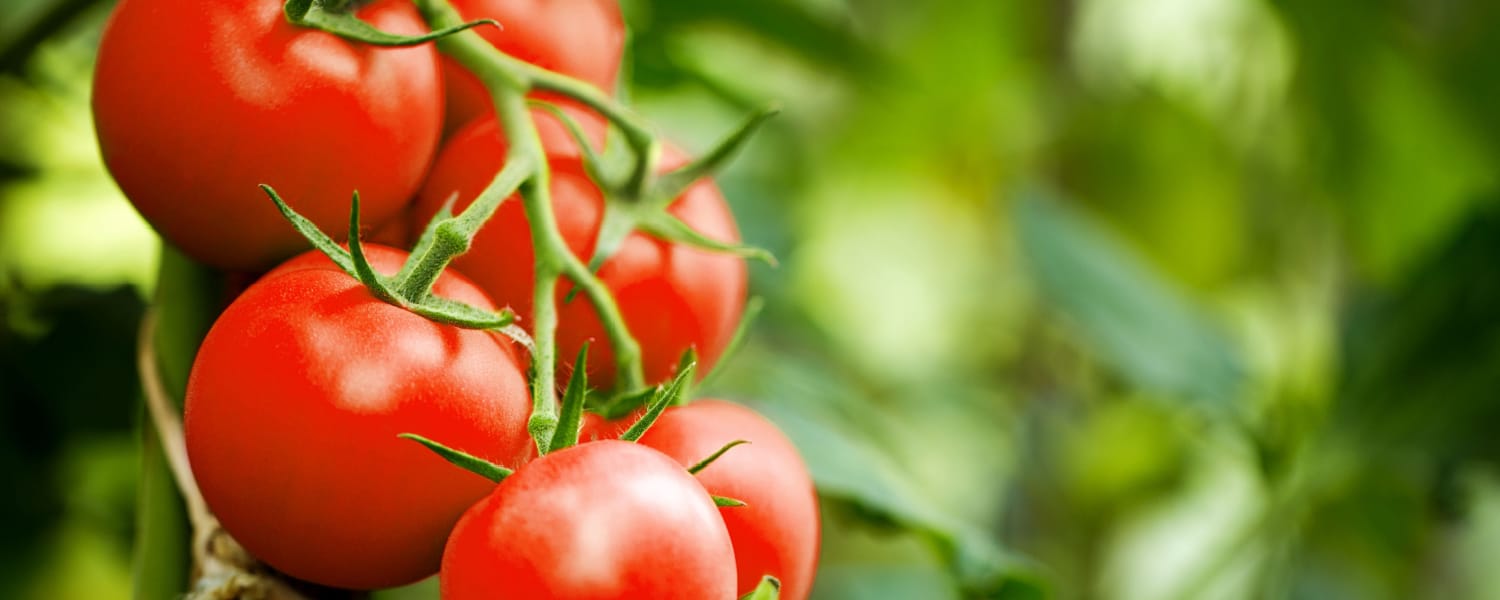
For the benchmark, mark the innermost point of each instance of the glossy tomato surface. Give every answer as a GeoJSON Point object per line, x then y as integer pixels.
{"type": "Point", "coordinates": [196, 103]}
{"type": "Point", "coordinates": [602, 521]}
{"type": "Point", "coordinates": [777, 531]}
{"type": "Point", "coordinates": [294, 404]}
{"type": "Point", "coordinates": [673, 297]}
{"type": "Point", "coordinates": [579, 38]}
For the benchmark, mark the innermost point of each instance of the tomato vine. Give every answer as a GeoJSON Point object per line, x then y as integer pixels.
{"type": "Point", "coordinates": [638, 199]}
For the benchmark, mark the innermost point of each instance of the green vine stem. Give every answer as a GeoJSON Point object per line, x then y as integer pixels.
{"type": "Point", "coordinates": [508, 81]}
{"type": "Point", "coordinates": [637, 201]}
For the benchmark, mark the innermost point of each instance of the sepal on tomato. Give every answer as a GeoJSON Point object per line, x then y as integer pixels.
{"type": "Point", "coordinates": [769, 589]}
{"type": "Point", "coordinates": [639, 200]}
{"type": "Point", "coordinates": [461, 459]}
{"type": "Point", "coordinates": [673, 183]}
{"type": "Point", "coordinates": [571, 418]}
{"type": "Point", "coordinates": [418, 273]}
{"type": "Point", "coordinates": [335, 17]}
{"type": "Point", "coordinates": [703, 464]}
{"type": "Point", "coordinates": [663, 397]}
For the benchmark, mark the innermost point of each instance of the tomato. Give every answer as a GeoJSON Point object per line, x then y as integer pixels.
{"type": "Point", "coordinates": [673, 297]}
{"type": "Point", "coordinates": [294, 403]}
{"type": "Point", "coordinates": [607, 520]}
{"type": "Point", "coordinates": [579, 38]}
{"type": "Point", "coordinates": [196, 103]}
{"type": "Point", "coordinates": [776, 532]}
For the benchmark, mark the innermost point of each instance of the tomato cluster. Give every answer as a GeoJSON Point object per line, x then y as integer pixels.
{"type": "Point", "coordinates": [301, 389]}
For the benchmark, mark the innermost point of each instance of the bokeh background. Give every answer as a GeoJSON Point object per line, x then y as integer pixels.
{"type": "Point", "coordinates": [1130, 299]}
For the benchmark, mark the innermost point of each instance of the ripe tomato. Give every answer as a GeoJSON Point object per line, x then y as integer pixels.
{"type": "Point", "coordinates": [294, 404]}
{"type": "Point", "coordinates": [608, 520]}
{"type": "Point", "coordinates": [579, 38]}
{"type": "Point", "coordinates": [673, 297]}
{"type": "Point", "coordinates": [196, 103]}
{"type": "Point", "coordinates": [776, 532]}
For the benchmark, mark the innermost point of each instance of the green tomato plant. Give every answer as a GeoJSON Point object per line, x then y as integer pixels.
{"type": "Point", "coordinates": [637, 194]}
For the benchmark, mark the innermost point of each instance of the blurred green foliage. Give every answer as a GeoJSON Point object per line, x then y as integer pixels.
{"type": "Point", "coordinates": [1087, 298]}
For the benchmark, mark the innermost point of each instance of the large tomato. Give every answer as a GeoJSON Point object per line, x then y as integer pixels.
{"type": "Point", "coordinates": [673, 297]}
{"type": "Point", "coordinates": [579, 38]}
{"type": "Point", "coordinates": [608, 520]}
{"type": "Point", "coordinates": [776, 532]}
{"type": "Point", "coordinates": [294, 404]}
{"type": "Point", "coordinates": [196, 103]}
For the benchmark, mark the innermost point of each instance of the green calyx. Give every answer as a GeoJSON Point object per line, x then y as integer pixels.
{"type": "Point", "coordinates": [660, 398]}
{"type": "Point", "coordinates": [703, 464]}
{"type": "Point", "coordinates": [727, 501]}
{"type": "Point", "coordinates": [769, 589]}
{"type": "Point", "coordinates": [337, 17]}
{"type": "Point", "coordinates": [639, 198]}
{"type": "Point", "coordinates": [421, 267]}
{"type": "Point", "coordinates": [570, 419]}
{"type": "Point", "coordinates": [464, 460]}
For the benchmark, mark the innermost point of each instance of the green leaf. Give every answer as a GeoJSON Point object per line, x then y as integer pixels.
{"type": "Point", "coordinates": [1127, 313]}
{"type": "Point", "coordinates": [864, 581]}
{"type": "Point", "coordinates": [1424, 361]}
{"type": "Point", "coordinates": [316, 14]}
{"type": "Point", "coordinates": [849, 470]}
{"type": "Point", "coordinates": [464, 460]}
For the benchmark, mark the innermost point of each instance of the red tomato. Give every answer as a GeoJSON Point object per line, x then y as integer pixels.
{"type": "Point", "coordinates": [776, 532]}
{"type": "Point", "coordinates": [196, 103]}
{"type": "Point", "coordinates": [673, 297]}
{"type": "Point", "coordinates": [609, 520]}
{"type": "Point", "coordinates": [578, 38]}
{"type": "Point", "coordinates": [294, 404]}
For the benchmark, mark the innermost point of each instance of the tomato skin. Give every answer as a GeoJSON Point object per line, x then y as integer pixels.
{"type": "Point", "coordinates": [777, 531]}
{"type": "Point", "coordinates": [293, 406]}
{"type": "Point", "coordinates": [607, 520]}
{"type": "Point", "coordinates": [579, 38]}
{"type": "Point", "coordinates": [196, 103]}
{"type": "Point", "coordinates": [673, 297]}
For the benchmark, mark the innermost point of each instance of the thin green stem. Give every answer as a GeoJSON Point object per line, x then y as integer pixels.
{"type": "Point", "coordinates": [453, 236]}
{"type": "Point", "coordinates": [637, 133]}
{"type": "Point", "coordinates": [493, 68]}
{"type": "Point", "coordinates": [630, 371]}
{"type": "Point", "coordinates": [508, 80]}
